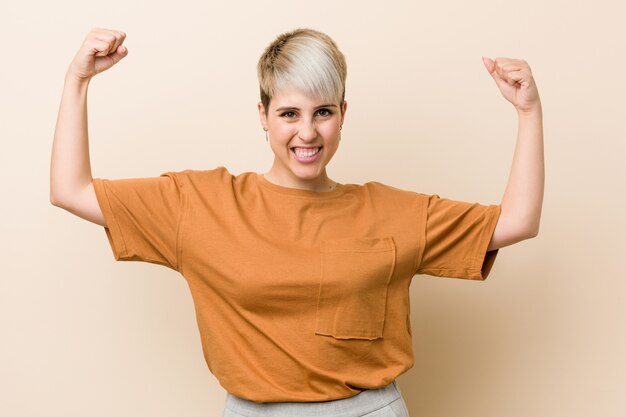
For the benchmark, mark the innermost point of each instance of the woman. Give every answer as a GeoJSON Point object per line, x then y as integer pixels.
{"type": "Point", "coordinates": [300, 283]}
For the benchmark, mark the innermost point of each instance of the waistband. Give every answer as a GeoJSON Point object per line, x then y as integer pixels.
{"type": "Point", "coordinates": [363, 403]}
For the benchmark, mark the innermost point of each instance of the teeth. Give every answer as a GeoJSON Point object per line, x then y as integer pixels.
{"type": "Point", "coordinates": [302, 153]}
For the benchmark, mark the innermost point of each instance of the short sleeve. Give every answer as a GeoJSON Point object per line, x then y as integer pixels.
{"type": "Point", "coordinates": [144, 217]}
{"type": "Point", "coordinates": [454, 238]}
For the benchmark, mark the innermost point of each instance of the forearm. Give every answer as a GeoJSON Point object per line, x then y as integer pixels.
{"type": "Point", "coordinates": [523, 197]}
{"type": "Point", "coordinates": [70, 168]}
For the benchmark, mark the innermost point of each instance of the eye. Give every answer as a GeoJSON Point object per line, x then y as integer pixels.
{"type": "Point", "coordinates": [328, 112]}
{"type": "Point", "coordinates": [286, 113]}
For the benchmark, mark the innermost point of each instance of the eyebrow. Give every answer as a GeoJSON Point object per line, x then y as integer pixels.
{"type": "Point", "coordinates": [295, 108]}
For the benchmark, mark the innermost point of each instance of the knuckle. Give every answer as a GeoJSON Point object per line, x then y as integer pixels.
{"type": "Point", "coordinates": [109, 38]}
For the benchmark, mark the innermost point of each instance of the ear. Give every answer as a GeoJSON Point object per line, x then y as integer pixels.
{"type": "Point", "coordinates": [344, 108]}
{"type": "Point", "coordinates": [262, 115]}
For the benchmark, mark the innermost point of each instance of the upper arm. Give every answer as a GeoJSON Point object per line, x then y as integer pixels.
{"type": "Point", "coordinates": [507, 232]}
{"type": "Point", "coordinates": [141, 216]}
{"type": "Point", "coordinates": [454, 238]}
{"type": "Point", "coordinates": [84, 204]}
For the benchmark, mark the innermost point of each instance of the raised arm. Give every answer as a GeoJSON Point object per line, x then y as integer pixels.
{"type": "Point", "coordinates": [71, 185]}
{"type": "Point", "coordinates": [523, 198]}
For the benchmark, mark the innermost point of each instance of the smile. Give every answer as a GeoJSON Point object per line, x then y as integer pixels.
{"type": "Point", "coordinates": [306, 155]}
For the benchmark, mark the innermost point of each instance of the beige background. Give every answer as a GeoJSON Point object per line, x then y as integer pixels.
{"type": "Point", "coordinates": [544, 335]}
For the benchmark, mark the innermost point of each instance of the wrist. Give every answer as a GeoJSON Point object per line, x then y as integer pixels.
{"type": "Point", "coordinates": [75, 80]}
{"type": "Point", "coordinates": [535, 111]}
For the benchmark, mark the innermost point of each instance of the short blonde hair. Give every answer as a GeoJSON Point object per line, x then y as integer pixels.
{"type": "Point", "coordinates": [305, 59]}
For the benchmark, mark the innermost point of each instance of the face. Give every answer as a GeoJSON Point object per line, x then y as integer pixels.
{"type": "Point", "coordinates": [297, 126]}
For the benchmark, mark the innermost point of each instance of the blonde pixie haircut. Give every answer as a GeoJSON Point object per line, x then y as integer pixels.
{"type": "Point", "coordinates": [305, 59]}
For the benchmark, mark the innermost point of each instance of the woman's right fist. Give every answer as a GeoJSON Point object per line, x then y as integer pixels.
{"type": "Point", "coordinates": [101, 50]}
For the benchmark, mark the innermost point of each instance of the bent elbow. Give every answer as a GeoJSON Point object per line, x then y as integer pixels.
{"type": "Point", "coordinates": [56, 201]}
{"type": "Point", "coordinates": [53, 201]}
{"type": "Point", "coordinates": [532, 233]}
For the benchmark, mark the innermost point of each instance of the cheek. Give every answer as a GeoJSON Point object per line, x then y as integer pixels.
{"type": "Point", "coordinates": [331, 130]}
{"type": "Point", "coordinates": [284, 132]}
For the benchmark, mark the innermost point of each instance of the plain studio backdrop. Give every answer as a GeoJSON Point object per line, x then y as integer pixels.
{"type": "Point", "coordinates": [544, 335]}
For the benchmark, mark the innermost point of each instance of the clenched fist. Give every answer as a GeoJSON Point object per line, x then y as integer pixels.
{"type": "Point", "coordinates": [101, 50]}
{"type": "Point", "coordinates": [515, 81]}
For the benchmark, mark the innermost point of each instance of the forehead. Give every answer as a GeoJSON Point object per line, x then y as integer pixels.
{"type": "Point", "coordinates": [296, 98]}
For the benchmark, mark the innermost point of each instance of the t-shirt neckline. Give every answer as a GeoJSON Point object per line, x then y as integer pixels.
{"type": "Point", "coordinates": [298, 192]}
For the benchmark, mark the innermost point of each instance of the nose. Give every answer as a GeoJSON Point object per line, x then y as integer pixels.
{"type": "Point", "coordinates": [307, 131]}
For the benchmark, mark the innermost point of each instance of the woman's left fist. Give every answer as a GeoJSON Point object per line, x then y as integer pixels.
{"type": "Point", "coordinates": [515, 81]}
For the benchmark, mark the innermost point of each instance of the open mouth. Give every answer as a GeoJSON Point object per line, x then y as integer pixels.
{"type": "Point", "coordinates": [306, 154]}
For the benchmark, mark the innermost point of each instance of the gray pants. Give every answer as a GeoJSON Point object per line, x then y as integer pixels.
{"type": "Point", "coordinates": [382, 402]}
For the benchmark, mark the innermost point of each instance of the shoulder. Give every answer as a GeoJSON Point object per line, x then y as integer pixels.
{"type": "Point", "coordinates": [196, 176]}
{"type": "Point", "coordinates": [387, 198]}
{"type": "Point", "coordinates": [391, 193]}
{"type": "Point", "coordinates": [215, 180]}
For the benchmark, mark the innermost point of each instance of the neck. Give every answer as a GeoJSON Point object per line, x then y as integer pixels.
{"type": "Point", "coordinates": [321, 183]}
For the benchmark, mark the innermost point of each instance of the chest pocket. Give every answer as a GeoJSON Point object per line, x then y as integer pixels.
{"type": "Point", "coordinates": [355, 275]}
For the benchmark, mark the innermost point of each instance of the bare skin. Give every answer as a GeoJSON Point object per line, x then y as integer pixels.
{"type": "Point", "coordinates": [523, 197]}
{"type": "Point", "coordinates": [294, 120]}
{"type": "Point", "coordinates": [71, 185]}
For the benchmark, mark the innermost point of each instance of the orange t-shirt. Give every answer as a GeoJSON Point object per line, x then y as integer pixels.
{"type": "Point", "coordinates": [299, 295]}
